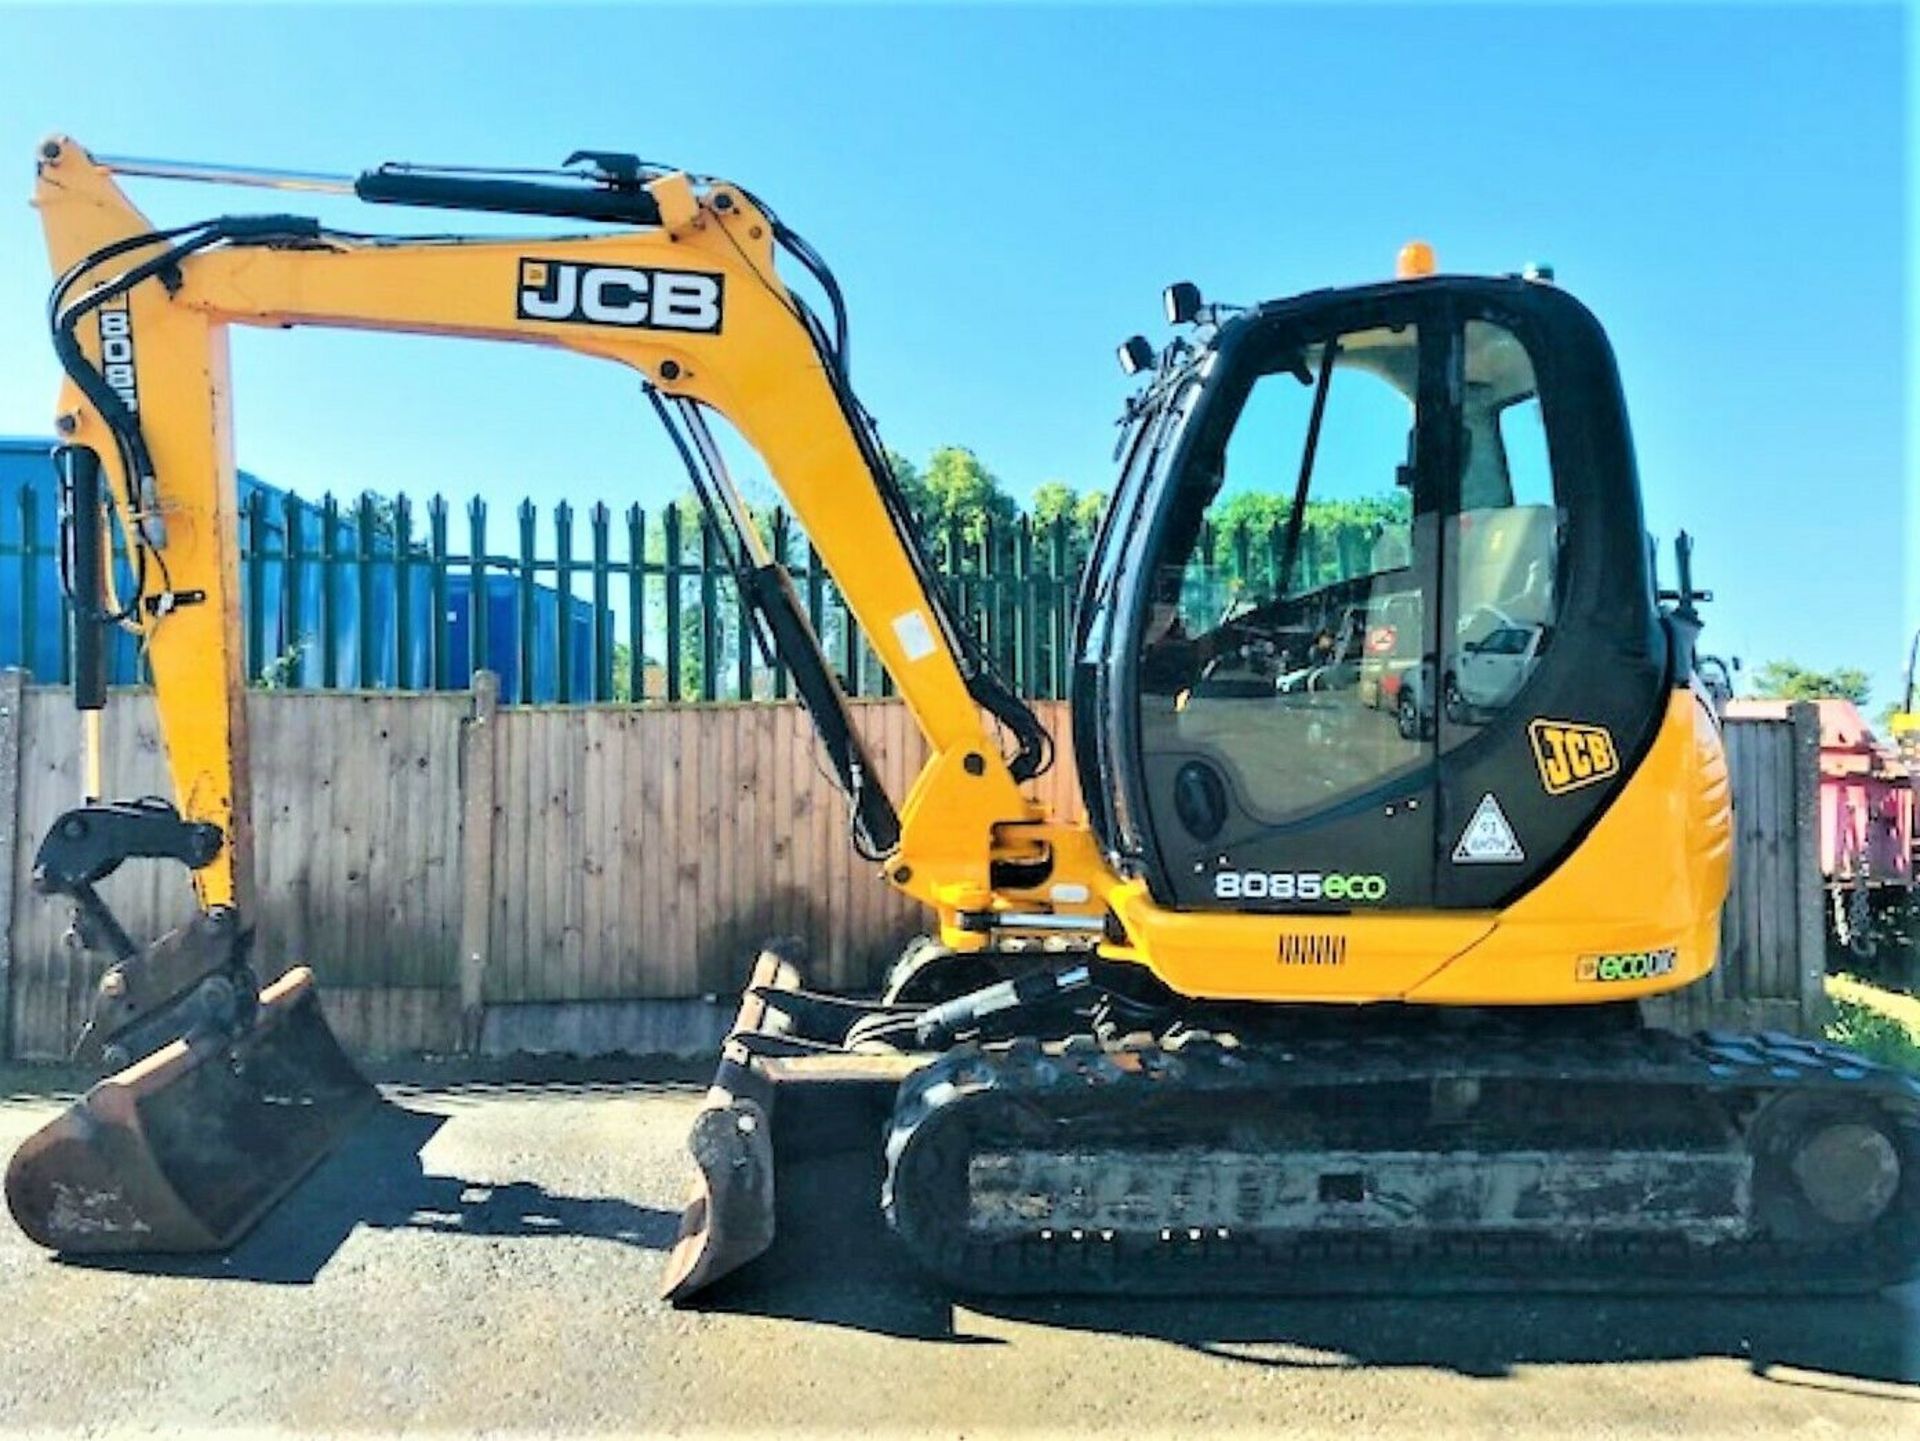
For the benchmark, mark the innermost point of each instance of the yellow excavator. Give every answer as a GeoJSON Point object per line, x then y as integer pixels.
{"type": "Point", "coordinates": [1390, 827]}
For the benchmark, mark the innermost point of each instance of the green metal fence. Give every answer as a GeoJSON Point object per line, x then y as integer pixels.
{"type": "Point", "coordinates": [646, 608]}
{"type": "Point", "coordinates": [574, 605]}
{"type": "Point", "coordinates": [588, 605]}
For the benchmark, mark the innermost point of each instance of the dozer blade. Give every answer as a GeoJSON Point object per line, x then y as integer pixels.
{"type": "Point", "coordinates": [188, 1148]}
{"type": "Point", "coordinates": [729, 1214]}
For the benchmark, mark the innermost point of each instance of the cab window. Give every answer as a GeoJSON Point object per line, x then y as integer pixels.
{"type": "Point", "coordinates": [1285, 641]}
{"type": "Point", "coordinates": [1503, 543]}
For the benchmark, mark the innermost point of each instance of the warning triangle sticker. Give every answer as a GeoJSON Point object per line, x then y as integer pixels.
{"type": "Point", "coordinates": [1488, 839]}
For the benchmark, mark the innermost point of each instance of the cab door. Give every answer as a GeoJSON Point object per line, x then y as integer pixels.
{"type": "Point", "coordinates": [1286, 624]}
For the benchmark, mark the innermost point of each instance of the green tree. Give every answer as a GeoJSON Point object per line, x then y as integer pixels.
{"type": "Point", "coordinates": [1092, 506]}
{"type": "Point", "coordinates": [1789, 680]}
{"type": "Point", "coordinates": [1053, 501]}
{"type": "Point", "coordinates": [1258, 511]}
{"type": "Point", "coordinates": [1057, 504]}
{"type": "Point", "coordinates": [730, 632]}
{"type": "Point", "coordinates": [960, 488]}
{"type": "Point", "coordinates": [384, 513]}
{"type": "Point", "coordinates": [624, 679]}
{"type": "Point", "coordinates": [1337, 537]}
{"type": "Point", "coordinates": [954, 486]}
{"type": "Point", "coordinates": [1056, 500]}
{"type": "Point", "coordinates": [1261, 511]}
{"type": "Point", "coordinates": [913, 489]}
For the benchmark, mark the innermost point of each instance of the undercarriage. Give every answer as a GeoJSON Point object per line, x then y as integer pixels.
{"type": "Point", "coordinates": [1087, 1141]}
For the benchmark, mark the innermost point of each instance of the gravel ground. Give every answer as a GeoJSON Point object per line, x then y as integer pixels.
{"type": "Point", "coordinates": [483, 1258]}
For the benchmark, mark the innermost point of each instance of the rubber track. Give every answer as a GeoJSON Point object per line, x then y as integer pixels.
{"type": "Point", "coordinates": [962, 1094]}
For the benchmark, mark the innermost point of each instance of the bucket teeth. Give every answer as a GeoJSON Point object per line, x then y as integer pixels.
{"type": "Point", "coordinates": [188, 1148]}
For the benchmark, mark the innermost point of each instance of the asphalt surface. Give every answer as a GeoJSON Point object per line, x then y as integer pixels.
{"type": "Point", "coordinates": [483, 1257]}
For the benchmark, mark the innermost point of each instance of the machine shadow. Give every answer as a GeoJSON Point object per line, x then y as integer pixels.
{"type": "Point", "coordinates": [833, 1264]}
{"type": "Point", "coordinates": [376, 1178]}
{"type": "Point", "coordinates": [1871, 1339]}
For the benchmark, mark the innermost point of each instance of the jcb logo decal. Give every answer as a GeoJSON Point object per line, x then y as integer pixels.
{"type": "Point", "coordinates": [1570, 756]}
{"type": "Point", "coordinates": [622, 295]}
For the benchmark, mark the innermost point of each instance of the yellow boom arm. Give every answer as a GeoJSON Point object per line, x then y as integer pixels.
{"type": "Point", "coordinates": [694, 305]}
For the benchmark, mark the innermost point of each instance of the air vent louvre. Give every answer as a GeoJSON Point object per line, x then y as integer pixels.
{"type": "Point", "coordinates": [1321, 950]}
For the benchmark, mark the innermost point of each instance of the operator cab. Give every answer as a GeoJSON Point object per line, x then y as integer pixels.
{"type": "Point", "coordinates": [1371, 620]}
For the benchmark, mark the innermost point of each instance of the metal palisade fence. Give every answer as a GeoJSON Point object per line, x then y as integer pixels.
{"type": "Point", "coordinates": [569, 605]}
{"type": "Point", "coordinates": [593, 607]}
{"type": "Point", "coordinates": [565, 605]}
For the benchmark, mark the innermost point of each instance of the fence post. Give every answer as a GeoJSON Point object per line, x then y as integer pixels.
{"type": "Point", "coordinates": [13, 689]}
{"type": "Point", "coordinates": [525, 649]}
{"type": "Point", "coordinates": [1060, 589]}
{"type": "Point", "coordinates": [253, 533]}
{"type": "Point", "coordinates": [817, 595]}
{"type": "Point", "coordinates": [1026, 609]}
{"type": "Point", "coordinates": [29, 576]}
{"type": "Point", "coordinates": [670, 538]}
{"type": "Point", "coordinates": [636, 604]}
{"type": "Point", "coordinates": [599, 521]}
{"type": "Point", "coordinates": [993, 633]}
{"type": "Point", "coordinates": [709, 612]}
{"type": "Point", "coordinates": [563, 603]}
{"type": "Point", "coordinates": [402, 570]}
{"type": "Point", "coordinates": [437, 666]}
{"type": "Point", "coordinates": [329, 579]}
{"type": "Point", "coordinates": [479, 594]}
{"type": "Point", "coordinates": [363, 553]}
{"type": "Point", "coordinates": [1812, 939]}
{"type": "Point", "coordinates": [743, 638]}
{"type": "Point", "coordinates": [780, 525]}
{"type": "Point", "coordinates": [476, 854]}
{"type": "Point", "coordinates": [293, 621]}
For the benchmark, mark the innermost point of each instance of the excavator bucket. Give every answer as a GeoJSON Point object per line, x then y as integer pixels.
{"type": "Point", "coordinates": [729, 1217]}
{"type": "Point", "coordinates": [188, 1148]}
{"type": "Point", "coordinates": [792, 1102]}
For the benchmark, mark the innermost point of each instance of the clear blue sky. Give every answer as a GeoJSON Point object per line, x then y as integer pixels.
{"type": "Point", "coordinates": [1003, 192]}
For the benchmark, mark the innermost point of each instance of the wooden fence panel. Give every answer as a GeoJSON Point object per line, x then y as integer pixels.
{"type": "Point", "coordinates": [1772, 940]}
{"type": "Point", "coordinates": [356, 829]}
{"type": "Point", "coordinates": [614, 854]}
{"type": "Point", "coordinates": [53, 980]}
{"type": "Point", "coordinates": [646, 854]}
{"type": "Point", "coordinates": [361, 876]}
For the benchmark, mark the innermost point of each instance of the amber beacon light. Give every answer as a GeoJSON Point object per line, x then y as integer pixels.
{"type": "Point", "coordinates": [1415, 260]}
